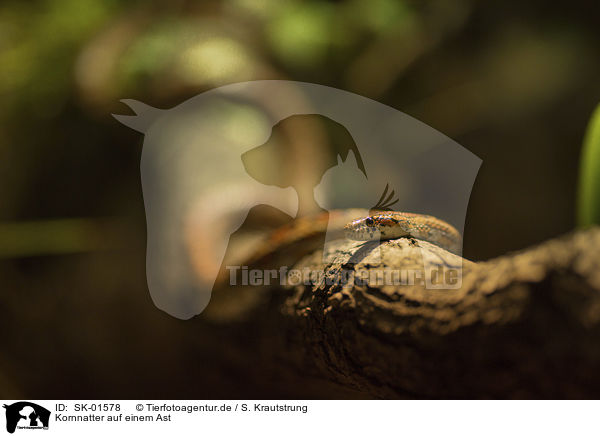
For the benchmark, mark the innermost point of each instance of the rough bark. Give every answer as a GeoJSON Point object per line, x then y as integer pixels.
{"type": "Point", "coordinates": [525, 324]}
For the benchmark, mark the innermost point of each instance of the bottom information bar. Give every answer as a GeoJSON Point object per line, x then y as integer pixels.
{"type": "Point", "coordinates": [300, 417]}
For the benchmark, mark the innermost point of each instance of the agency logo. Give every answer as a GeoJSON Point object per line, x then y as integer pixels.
{"type": "Point", "coordinates": [26, 415]}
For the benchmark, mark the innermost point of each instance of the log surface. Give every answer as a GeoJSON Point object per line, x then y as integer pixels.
{"type": "Point", "coordinates": [524, 325]}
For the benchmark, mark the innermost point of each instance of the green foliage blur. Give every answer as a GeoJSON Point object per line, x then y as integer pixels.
{"type": "Point", "coordinates": [510, 83]}
{"type": "Point", "coordinates": [589, 179]}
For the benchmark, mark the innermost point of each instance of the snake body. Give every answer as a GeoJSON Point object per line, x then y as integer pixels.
{"type": "Point", "coordinates": [392, 225]}
{"type": "Point", "coordinates": [304, 235]}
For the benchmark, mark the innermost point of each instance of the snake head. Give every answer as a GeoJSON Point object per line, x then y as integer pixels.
{"type": "Point", "coordinates": [363, 229]}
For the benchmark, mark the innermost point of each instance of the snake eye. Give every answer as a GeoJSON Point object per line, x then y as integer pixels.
{"type": "Point", "coordinates": [370, 221]}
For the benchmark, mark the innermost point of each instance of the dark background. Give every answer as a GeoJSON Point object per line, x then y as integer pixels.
{"type": "Point", "coordinates": [514, 82]}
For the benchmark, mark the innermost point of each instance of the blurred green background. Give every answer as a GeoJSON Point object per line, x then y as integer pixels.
{"type": "Point", "coordinates": [513, 82]}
